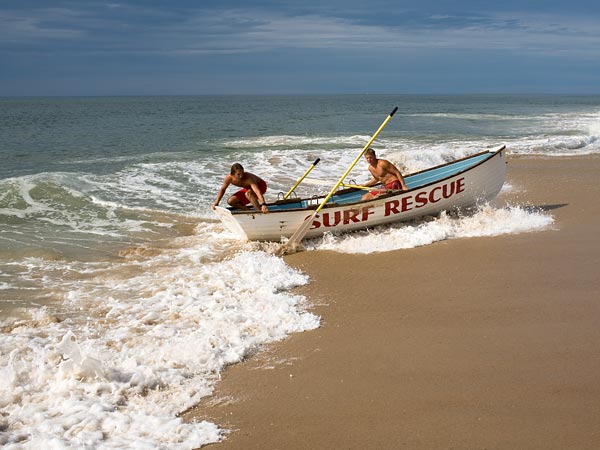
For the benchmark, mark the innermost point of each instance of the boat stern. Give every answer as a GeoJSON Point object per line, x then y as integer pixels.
{"type": "Point", "coordinates": [229, 222]}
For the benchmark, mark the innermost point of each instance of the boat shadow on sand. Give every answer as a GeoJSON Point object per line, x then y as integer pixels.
{"type": "Point", "coordinates": [544, 208]}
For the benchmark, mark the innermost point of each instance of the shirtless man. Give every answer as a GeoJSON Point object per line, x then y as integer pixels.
{"type": "Point", "coordinates": [253, 188]}
{"type": "Point", "coordinates": [383, 172]}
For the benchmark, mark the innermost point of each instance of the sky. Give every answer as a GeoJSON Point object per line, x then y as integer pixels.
{"type": "Point", "coordinates": [185, 47]}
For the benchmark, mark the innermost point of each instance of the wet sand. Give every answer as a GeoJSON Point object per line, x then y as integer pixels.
{"type": "Point", "coordinates": [478, 343]}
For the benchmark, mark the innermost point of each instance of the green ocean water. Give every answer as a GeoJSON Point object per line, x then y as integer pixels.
{"type": "Point", "coordinates": [84, 179]}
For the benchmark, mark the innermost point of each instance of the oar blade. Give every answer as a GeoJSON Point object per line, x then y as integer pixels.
{"type": "Point", "coordinates": [292, 244]}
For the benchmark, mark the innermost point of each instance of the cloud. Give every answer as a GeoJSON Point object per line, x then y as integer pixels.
{"type": "Point", "coordinates": [125, 28]}
{"type": "Point", "coordinates": [246, 31]}
{"type": "Point", "coordinates": [19, 27]}
{"type": "Point", "coordinates": [134, 46]}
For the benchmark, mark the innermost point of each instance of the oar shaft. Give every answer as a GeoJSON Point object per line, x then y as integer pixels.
{"type": "Point", "coordinates": [304, 226]}
{"type": "Point", "coordinates": [341, 180]}
{"type": "Point", "coordinates": [312, 166]}
{"type": "Point", "coordinates": [356, 186]}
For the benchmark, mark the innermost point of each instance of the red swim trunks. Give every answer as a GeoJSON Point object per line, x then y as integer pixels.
{"type": "Point", "coordinates": [241, 194]}
{"type": "Point", "coordinates": [391, 186]}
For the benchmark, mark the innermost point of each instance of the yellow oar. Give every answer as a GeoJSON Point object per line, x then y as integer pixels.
{"type": "Point", "coordinates": [346, 185]}
{"type": "Point", "coordinates": [303, 228]}
{"type": "Point", "coordinates": [312, 166]}
{"type": "Point", "coordinates": [356, 186]}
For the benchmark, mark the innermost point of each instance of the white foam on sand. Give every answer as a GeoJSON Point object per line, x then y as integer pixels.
{"type": "Point", "coordinates": [486, 221]}
{"type": "Point", "coordinates": [152, 346]}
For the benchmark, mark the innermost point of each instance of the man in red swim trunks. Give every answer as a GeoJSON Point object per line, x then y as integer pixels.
{"type": "Point", "coordinates": [383, 172]}
{"type": "Point", "coordinates": [253, 188]}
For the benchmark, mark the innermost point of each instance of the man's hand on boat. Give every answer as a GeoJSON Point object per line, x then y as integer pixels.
{"type": "Point", "coordinates": [263, 208]}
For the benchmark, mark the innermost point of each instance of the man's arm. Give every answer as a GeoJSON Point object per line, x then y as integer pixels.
{"type": "Point", "coordinates": [259, 196]}
{"type": "Point", "coordinates": [401, 180]}
{"type": "Point", "coordinates": [256, 190]}
{"type": "Point", "coordinates": [394, 170]}
{"type": "Point", "coordinates": [221, 193]}
{"type": "Point", "coordinates": [373, 181]}
{"type": "Point", "coordinates": [370, 183]}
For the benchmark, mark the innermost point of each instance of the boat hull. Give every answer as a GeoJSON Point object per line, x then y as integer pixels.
{"type": "Point", "coordinates": [430, 192]}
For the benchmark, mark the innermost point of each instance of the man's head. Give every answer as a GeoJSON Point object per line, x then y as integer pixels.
{"type": "Point", "coordinates": [237, 171]}
{"type": "Point", "coordinates": [237, 167]}
{"type": "Point", "coordinates": [370, 156]}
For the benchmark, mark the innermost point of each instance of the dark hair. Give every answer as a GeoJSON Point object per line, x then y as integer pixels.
{"type": "Point", "coordinates": [236, 167]}
{"type": "Point", "coordinates": [370, 151]}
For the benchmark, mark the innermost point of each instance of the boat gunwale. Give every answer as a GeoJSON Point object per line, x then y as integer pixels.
{"type": "Point", "coordinates": [492, 154]}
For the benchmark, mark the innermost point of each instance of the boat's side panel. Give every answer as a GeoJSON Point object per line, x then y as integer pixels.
{"type": "Point", "coordinates": [480, 183]}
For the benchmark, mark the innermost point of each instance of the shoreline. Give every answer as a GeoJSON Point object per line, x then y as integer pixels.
{"type": "Point", "coordinates": [487, 342]}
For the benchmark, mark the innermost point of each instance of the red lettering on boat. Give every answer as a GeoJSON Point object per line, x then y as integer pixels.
{"type": "Point", "coordinates": [366, 212]}
{"type": "Point", "coordinates": [448, 190]}
{"type": "Point", "coordinates": [391, 207]}
{"type": "Point", "coordinates": [351, 215]}
{"type": "Point", "coordinates": [316, 224]}
{"type": "Point", "coordinates": [406, 203]}
{"type": "Point", "coordinates": [421, 199]}
{"type": "Point", "coordinates": [432, 198]}
{"type": "Point", "coordinates": [337, 217]}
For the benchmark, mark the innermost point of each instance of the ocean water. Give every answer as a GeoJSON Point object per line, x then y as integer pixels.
{"type": "Point", "coordinates": [121, 296]}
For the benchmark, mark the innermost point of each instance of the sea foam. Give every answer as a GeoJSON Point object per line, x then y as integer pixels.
{"type": "Point", "coordinates": [144, 349]}
{"type": "Point", "coordinates": [486, 221]}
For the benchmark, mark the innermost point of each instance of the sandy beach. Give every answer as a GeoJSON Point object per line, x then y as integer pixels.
{"type": "Point", "coordinates": [476, 343]}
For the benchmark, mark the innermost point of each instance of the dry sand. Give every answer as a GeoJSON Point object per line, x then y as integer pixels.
{"type": "Point", "coordinates": [477, 343]}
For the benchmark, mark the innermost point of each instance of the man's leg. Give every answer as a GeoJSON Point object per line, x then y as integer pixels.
{"type": "Point", "coordinates": [235, 202]}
